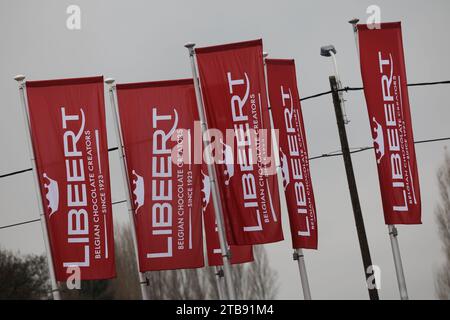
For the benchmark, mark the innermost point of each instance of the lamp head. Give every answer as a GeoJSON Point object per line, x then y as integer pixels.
{"type": "Point", "coordinates": [325, 51]}
{"type": "Point", "coordinates": [19, 78]}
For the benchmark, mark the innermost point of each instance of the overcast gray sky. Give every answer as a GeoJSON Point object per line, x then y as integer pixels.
{"type": "Point", "coordinates": [143, 40]}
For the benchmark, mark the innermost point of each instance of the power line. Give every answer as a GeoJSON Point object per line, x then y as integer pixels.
{"type": "Point", "coordinates": [361, 149]}
{"type": "Point", "coordinates": [302, 99]}
{"type": "Point", "coordinates": [29, 169]}
{"type": "Point", "coordinates": [362, 88]}
{"type": "Point", "coordinates": [14, 173]}
{"type": "Point", "coordinates": [316, 95]}
{"type": "Point", "coordinates": [19, 224]}
{"type": "Point", "coordinates": [36, 220]}
{"type": "Point", "coordinates": [325, 155]}
{"type": "Point", "coordinates": [428, 83]}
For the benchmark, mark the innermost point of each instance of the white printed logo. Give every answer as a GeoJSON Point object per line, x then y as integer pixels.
{"type": "Point", "coordinates": [206, 190]}
{"type": "Point", "coordinates": [284, 169]}
{"type": "Point", "coordinates": [52, 194]}
{"type": "Point", "coordinates": [228, 161]}
{"type": "Point", "coordinates": [138, 190]}
{"type": "Point", "coordinates": [378, 140]}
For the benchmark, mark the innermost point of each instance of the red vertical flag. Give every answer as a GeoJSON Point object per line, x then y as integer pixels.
{"type": "Point", "coordinates": [384, 77]}
{"type": "Point", "coordinates": [288, 119]}
{"type": "Point", "coordinates": [234, 94]}
{"type": "Point", "coordinates": [69, 140]}
{"type": "Point", "coordinates": [239, 254]}
{"type": "Point", "coordinates": [157, 122]}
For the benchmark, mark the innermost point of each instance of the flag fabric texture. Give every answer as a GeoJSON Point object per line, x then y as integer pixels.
{"type": "Point", "coordinates": [235, 100]}
{"type": "Point", "coordinates": [385, 87]}
{"type": "Point", "coordinates": [157, 124]}
{"type": "Point", "coordinates": [68, 131]}
{"type": "Point", "coordinates": [293, 150]}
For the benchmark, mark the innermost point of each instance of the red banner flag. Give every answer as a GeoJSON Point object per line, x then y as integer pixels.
{"type": "Point", "coordinates": [288, 119]}
{"type": "Point", "coordinates": [234, 93]}
{"type": "Point", "coordinates": [157, 121]}
{"type": "Point", "coordinates": [384, 77]}
{"type": "Point", "coordinates": [69, 140]}
{"type": "Point", "coordinates": [239, 254]}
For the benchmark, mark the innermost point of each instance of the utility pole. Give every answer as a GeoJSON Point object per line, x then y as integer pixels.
{"type": "Point", "coordinates": [359, 221]}
{"type": "Point", "coordinates": [336, 88]}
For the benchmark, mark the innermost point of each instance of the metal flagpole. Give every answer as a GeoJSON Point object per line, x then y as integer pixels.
{"type": "Point", "coordinates": [26, 118]}
{"type": "Point", "coordinates": [298, 253]}
{"type": "Point", "coordinates": [212, 178]}
{"type": "Point", "coordinates": [354, 22]}
{"type": "Point", "coordinates": [338, 102]}
{"type": "Point", "coordinates": [393, 233]}
{"type": "Point", "coordinates": [219, 281]}
{"type": "Point", "coordinates": [143, 281]}
{"type": "Point", "coordinates": [398, 262]}
{"type": "Point", "coordinates": [299, 256]}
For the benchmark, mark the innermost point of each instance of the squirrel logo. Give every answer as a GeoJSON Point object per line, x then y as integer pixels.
{"type": "Point", "coordinates": [138, 190]}
{"type": "Point", "coordinates": [228, 161]}
{"type": "Point", "coordinates": [206, 190]}
{"type": "Point", "coordinates": [284, 169]}
{"type": "Point", "coordinates": [378, 140]}
{"type": "Point", "coordinates": [52, 194]}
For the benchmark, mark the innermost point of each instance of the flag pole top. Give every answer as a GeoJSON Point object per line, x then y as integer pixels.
{"type": "Point", "coordinates": [109, 81]}
{"type": "Point", "coordinates": [326, 51]}
{"type": "Point", "coordinates": [190, 45]}
{"type": "Point", "coordinates": [19, 78]}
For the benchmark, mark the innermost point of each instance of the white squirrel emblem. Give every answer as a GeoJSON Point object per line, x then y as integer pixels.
{"type": "Point", "coordinates": [138, 190]}
{"type": "Point", "coordinates": [206, 190]}
{"type": "Point", "coordinates": [378, 140]}
{"type": "Point", "coordinates": [52, 194]}
{"type": "Point", "coordinates": [228, 161]}
{"type": "Point", "coordinates": [284, 169]}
